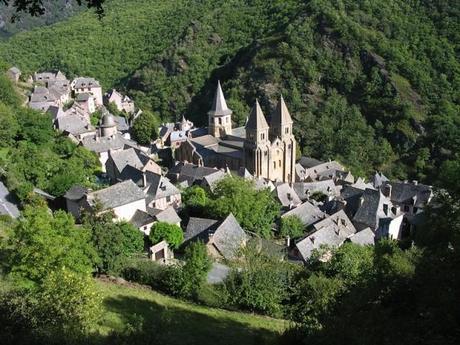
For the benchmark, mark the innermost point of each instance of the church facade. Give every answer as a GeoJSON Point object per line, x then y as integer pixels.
{"type": "Point", "coordinates": [265, 150]}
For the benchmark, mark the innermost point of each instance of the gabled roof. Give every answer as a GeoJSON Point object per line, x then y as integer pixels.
{"type": "Point", "coordinates": [219, 105]}
{"type": "Point", "coordinates": [159, 186]}
{"type": "Point", "coordinates": [371, 208]}
{"type": "Point", "coordinates": [307, 213]}
{"type": "Point", "coordinates": [76, 193]}
{"type": "Point", "coordinates": [73, 124]}
{"type": "Point", "coordinates": [332, 231]}
{"type": "Point", "coordinates": [190, 172]}
{"type": "Point", "coordinates": [126, 157]}
{"type": "Point", "coordinates": [256, 119]}
{"type": "Point", "coordinates": [141, 218]}
{"type": "Point", "coordinates": [211, 179]}
{"type": "Point", "coordinates": [308, 162]}
{"type": "Point", "coordinates": [119, 194]}
{"type": "Point", "coordinates": [404, 192]}
{"type": "Point", "coordinates": [168, 215]}
{"type": "Point", "coordinates": [198, 227]}
{"type": "Point", "coordinates": [287, 195]}
{"type": "Point", "coordinates": [228, 237]}
{"type": "Point", "coordinates": [305, 189]}
{"type": "Point", "coordinates": [378, 179]}
{"type": "Point", "coordinates": [104, 144]}
{"type": "Point", "coordinates": [364, 237]}
{"type": "Point", "coordinates": [81, 82]}
{"type": "Point", "coordinates": [281, 115]}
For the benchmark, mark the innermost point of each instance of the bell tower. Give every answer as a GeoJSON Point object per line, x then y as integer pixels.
{"type": "Point", "coordinates": [220, 116]}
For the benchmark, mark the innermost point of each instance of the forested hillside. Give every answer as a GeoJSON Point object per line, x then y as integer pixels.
{"type": "Point", "coordinates": [374, 84]}
{"type": "Point", "coordinates": [12, 22]}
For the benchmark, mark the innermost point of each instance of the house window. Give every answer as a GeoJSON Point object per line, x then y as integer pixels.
{"type": "Point", "coordinates": [287, 130]}
{"type": "Point", "coordinates": [220, 121]}
{"type": "Point", "coordinates": [279, 163]}
{"type": "Point", "coordinates": [168, 198]}
{"type": "Point", "coordinates": [274, 165]}
{"type": "Point", "coordinates": [262, 136]}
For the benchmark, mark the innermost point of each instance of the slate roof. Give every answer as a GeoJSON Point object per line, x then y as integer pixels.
{"type": "Point", "coordinates": [352, 196]}
{"type": "Point", "coordinates": [81, 82]}
{"type": "Point", "coordinates": [256, 118]}
{"type": "Point", "coordinates": [326, 169]}
{"type": "Point", "coordinates": [219, 105]}
{"type": "Point", "coordinates": [168, 215]}
{"type": "Point", "coordinates": [228, 237]}
{"type": "Point", "coordinates": [73, 124]}
{"type": "Point", "coordinates": [261, 183]}
{"type": "Point", "coordinates": [418, 194]}
{"type": "Point", "coordinates": [332, 231]}
{"type": "Point", "coordinates": [119, 194]}
{"type": "Point", "coordinates": [104, 144]}
{"type": "Point", "coordinates": [371, 208]}
{"type": "Point", "coordinates": [287, 195]}
{"type": "Point", "coordinates": [211, 179]}
{"type": "Point", "coordinates": [189, 172]}
{"type": "Point", "coordinates": [141, 218]}
{"type": "Point", "coordinates": [304, 189]}
{"type": "Point", "coordinates": [126, 157]}
{"type": "Point", "coordinates": [300, 171]}
{"type": "Point", "coordinates": [378, 179]}
{"type": "Point", "coordinates": [361, 184]}
{"type": "Point", "coordinates": [159, 187]}
{"type": "Point", "coordinates": [197, 228]}
{"type": "Point", "coordinates": [308, 162]}
{"type": "Point", "coordinates": [307, 213]}
{"type": "Point", "coordinates": [364, 237]}
{"type": "Point", "coordinates": [76, 193]}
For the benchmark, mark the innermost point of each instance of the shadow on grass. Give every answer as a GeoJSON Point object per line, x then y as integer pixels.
{"type": "Point", "coordinates": [151, 323]}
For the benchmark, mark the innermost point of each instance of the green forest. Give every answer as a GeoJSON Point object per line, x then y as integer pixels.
{"type": "Point", "coordinates": [374, 84]}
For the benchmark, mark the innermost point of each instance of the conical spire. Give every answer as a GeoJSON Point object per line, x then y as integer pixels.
{"type": "Point", "coordinates": [256, 118]}
{"type": "Point", "coordinates": [219, 105]}
{"type": "Point", "coordinates": [281, 115]}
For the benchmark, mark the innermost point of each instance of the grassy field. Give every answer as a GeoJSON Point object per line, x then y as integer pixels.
{"type": "Point", "coordinates": [170, 321]}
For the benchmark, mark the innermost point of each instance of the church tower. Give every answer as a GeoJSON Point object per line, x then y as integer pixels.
{"type": "Point", "coordinates": [257, 144]}
{"type": "Point", "coordinates": [220, 116]}
{"type": "Point", "coordinates": [281, 127]}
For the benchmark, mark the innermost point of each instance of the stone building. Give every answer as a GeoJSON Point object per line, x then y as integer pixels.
{"type": "Point", "coordinates": [266, 151]}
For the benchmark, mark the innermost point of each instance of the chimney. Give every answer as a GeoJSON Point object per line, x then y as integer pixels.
{"type": "Point", "coordinates": [415, 182]}
{"type": "Point", "coordinates": [312, 239]}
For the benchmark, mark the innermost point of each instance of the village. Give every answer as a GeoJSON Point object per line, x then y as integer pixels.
{"type": "Point", "coordinates": [144, 184]}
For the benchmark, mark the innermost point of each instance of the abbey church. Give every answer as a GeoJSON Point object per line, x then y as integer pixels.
{"type": "Point", "coordinates": [265, 150]}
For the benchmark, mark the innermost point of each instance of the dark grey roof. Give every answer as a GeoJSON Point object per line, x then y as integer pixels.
{"type": "Point", "coordinates": [76, 193]}
{"type": "Point", "coordinates": [308, 162]}
{"type": "Point", "coordinates": [119, 194]}
{"type": "Point", "coordinates": [219, 105]}
{"type": "Point", "coordinates": [364, 237]}
{"type": "Point", "coordinates": [141, 218]}
{"type": "Point", "coordinates": [197, 228]}
{"type": "Point", "coordinates": [73, 124]}
{"type": "Point", "coordinates": [402, 192]}
{"type": "Point", "coordinates": [81, 82]}
{"type": "Point", "coordinates": [159, 186]}
{"type": "Point", "coordinates": [229, 237]}
{"type": "Point", "coordinates": [211, 179]}
{"type": "Point", "coordinates": [104, 144]}
{"type": "Point", "coordinates": [307, 213]}
{"type": "Point", "coordinates": [371, 208]}
{"type": "Point", "coordinates": [189, 172]}
{"type": "Point", "coordinates": [168, 215]}
{"type": "Point", "coordinates": [131, 173]}
{"type": "Point", "coordinates": [378, 179]}
{"type": "Point", "coordinates": [257, 119]}
{"type": "Point", "coordinates": [126, 157]}
{"type": "Point", "coordinates": [287, 195]}
{"type": "Point", "coordinates": [331, 231]}
{"type": "Point", "coordinates": [305, 189]}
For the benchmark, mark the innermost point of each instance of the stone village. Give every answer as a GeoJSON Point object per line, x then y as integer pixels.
{"type": "Point", "coordinates": [333, 205]}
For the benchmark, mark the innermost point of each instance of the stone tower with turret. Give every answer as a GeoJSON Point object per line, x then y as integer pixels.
{"type": "Point", "coordinates": [269, 151]}
{"type": "Point", "coordinates": [220, 116]}
{"type": "Point", "coordinates": [256, 146]}
{"type": "Point", "coordinates": [281, 128]}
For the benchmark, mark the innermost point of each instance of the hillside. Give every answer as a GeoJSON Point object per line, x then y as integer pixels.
{"type": "Point", "coordinates": [162, 320]}
{"type": "Point", "coordinates": [373, 84]}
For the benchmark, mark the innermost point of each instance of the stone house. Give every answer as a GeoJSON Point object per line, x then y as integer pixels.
{"type": "Point", "coordinates": [223, 239]}
{"type": "Point", "coordinates": [88, 85]}
{"type": "Point", "coordinates": [123, 103]}
{"type": "Point", "coordinates": [160, 192]}
{"type": "Point", "coordinates": [86, 101]}
{"type": "Point", "coordinates": [14, 74]}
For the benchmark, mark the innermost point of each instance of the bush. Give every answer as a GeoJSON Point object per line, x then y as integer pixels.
{"type": "Point", "coordinates": [291, 226]}
{"type": "Point", "coordinates": [171, 233]}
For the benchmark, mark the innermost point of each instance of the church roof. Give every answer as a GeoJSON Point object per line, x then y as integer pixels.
{"type": "Point", "coordinates": [281, 114]}
{"type": "Point", "coordinates": [257, 118]}
{"type": "Point", "coordinates": [219, 105]}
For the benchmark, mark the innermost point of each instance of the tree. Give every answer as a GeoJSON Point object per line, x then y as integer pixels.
{"type": "Point", "coordinates": [43, 242]}
{"type": "Point", "coordinates": [145, 128]}
{"type": "Point", "coordinates": [254, 209]}
{"type": "Point", "coordinates": [187, 280]}
{"type": "Point", "coordinates": [171, 233]}
{"type": "Point", "coordinates": [291, 226]}
{"type": "Point", "coordinates": [113, 241]}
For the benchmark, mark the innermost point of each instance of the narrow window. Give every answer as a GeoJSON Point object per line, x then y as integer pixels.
{"type": "Point", "coordinates": [280, 163]}
{"type": "Point", "coordinates": [220, 121]}
{"type": "Point", "coordinates": [274, 165]}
